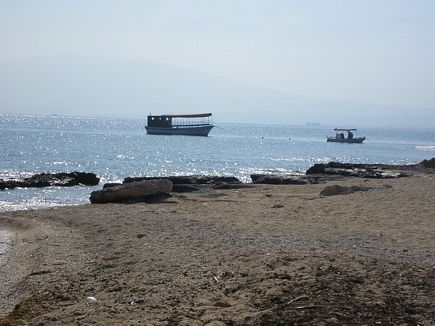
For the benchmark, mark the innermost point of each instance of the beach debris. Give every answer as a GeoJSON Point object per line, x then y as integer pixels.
{"type": "Point", "coordinates": [298, 298]}
{"type": "Point", "coordinates": [132, 192]}
{"type": "Point", "coordinates": [91, 300]}
{"type": "Point", "coordinates": [216, 279]}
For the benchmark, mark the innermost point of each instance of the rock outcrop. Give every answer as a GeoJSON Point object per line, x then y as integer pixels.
{"type": "Point", "coordinates": [132, 192]}
{"type": "Point", "coordinates": [111, 184]}
{"type": "Point", "coordinates": [191, 180]}
{"type": "Point", "coordinates": [428, 164]}
{"type": "Point", "coordinates": [52, 179]}
{"type": "Point", "coordinates": [190, 183]}
{"type": "Point", "coordinates": [377, 171]}
{"type": "Point", "coordinates": [281, 180]}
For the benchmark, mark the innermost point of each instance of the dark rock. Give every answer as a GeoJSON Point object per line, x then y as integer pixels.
{"type": "Point", "coordinates": [255, 177]}
{"type": "Point", "coordinates": [428, 164]}
{"type": "Point", "coordinates": [87, 179]}
{"type": "Point", "coordinates": [317, 168]}
{"type": "Point", "coordinates": [135, 179]}
{"type": "Point", "coordinates": [185, 188]}
{"type": "Point", "coordinates": [341, 190]}
{"type": "Point", "coordinates": [278, 180]}
{"type": "Point", "coordinates": [190, 183]}
{"type": "Point", "coordinates": [8, 184]}
{"type": "Point", "coordinates": [365, 173]}
{"type": "Point", "coordinates": [233, 186]}
{"type": "Point", "coordinates": [61, 179]}
{"type": "Point", "coordinates": [173, 179]}
{"type": "Point", "coordinates": [193, 179]}
{"type": "Point", "coordinates": [111, 184]}
{"type": "Point", "coordinates": [377, 171]}
{"type": "Point", "coordinates": [53, 179]}
{"type": "Point", "coordinates": [223, 180]}
{"type": "Point", "coordinates": [281, 180]}
{"type": "Point", "coordinates": [146, 190]}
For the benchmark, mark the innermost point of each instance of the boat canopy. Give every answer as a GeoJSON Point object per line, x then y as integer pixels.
{"type": "Point", "coordinates": [199, 115]}
{"type": "Point", "coordinates": [344, 129]}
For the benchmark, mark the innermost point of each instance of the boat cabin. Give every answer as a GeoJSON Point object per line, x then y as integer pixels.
{"type": "Point", "coordinates": [161, 121]}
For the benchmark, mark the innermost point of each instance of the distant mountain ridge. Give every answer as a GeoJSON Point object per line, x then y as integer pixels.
{"type": "Point", "coordinates": [133, 88]}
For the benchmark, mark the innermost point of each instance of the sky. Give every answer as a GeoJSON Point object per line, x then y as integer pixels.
{"type": "Point", "coordinates": [378, 52]}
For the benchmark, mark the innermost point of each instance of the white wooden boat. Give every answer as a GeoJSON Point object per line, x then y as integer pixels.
{"type": "Point", "coordinates": [349, 138]}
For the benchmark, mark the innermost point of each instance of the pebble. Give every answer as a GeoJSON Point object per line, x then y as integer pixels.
{"type": "Point", "coordinates": [91, 300]}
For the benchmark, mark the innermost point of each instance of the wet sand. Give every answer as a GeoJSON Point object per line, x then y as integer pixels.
{"type": "Point", "coordinates": [261, 255]}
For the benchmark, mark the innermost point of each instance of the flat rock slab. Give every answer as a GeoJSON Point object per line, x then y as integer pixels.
{"type": "Point", "coordinates": [373, 171]}
{"type": "Point", "coordinates": [132, 192]}
{"type": "Point", "coordinates": [281, 180]}
{"type": "Point", "coordinates": [190, 179]}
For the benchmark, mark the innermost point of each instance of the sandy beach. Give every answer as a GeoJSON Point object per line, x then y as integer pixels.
{"type": "Point", "coordinates": [264, 254]}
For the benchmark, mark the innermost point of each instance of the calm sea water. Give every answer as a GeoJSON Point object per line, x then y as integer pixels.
{"type": "Point", "coordinates": [117, 148]}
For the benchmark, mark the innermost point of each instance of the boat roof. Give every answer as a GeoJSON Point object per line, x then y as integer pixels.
{"type": "Point", "coordinates": [345, 129]}
{"type": "Point", "coordinates": [197, 115]}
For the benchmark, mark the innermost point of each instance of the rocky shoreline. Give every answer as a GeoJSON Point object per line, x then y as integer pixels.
{"type": "Point", "coordinates": [153, 189]}
{"type": "Point", "coordinates": [137, 189]}
{"type": "Point", "coordinates": [315, 174]}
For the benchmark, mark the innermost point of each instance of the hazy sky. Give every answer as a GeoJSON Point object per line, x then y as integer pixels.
{"type": "Point", "coordinates": [371, 51]}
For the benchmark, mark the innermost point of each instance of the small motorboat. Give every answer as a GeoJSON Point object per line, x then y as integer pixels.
{"type": "Point", "coordinates": [349, 138]}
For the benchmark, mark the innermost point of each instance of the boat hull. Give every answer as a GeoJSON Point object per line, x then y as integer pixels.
{"type": "Point", "coordinates": [356, 140]}
{"type": "Point", "coordinates": [182, 130]}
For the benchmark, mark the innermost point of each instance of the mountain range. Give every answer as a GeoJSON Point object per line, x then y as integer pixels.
{"type": "Point", "coordinates": [134, 88]}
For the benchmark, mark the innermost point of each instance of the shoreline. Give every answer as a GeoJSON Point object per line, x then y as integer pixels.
{"type": "Point", "coordinates": [43, 183]}
{"type": "Point", "coordinates": [261, 254]}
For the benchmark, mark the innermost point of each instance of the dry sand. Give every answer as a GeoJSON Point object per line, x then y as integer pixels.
{"type": "Point", "coordinates": [260, 255]}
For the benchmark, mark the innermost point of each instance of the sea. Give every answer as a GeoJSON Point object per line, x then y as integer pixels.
{"type": "Point", "coordinates": [118, 148]}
